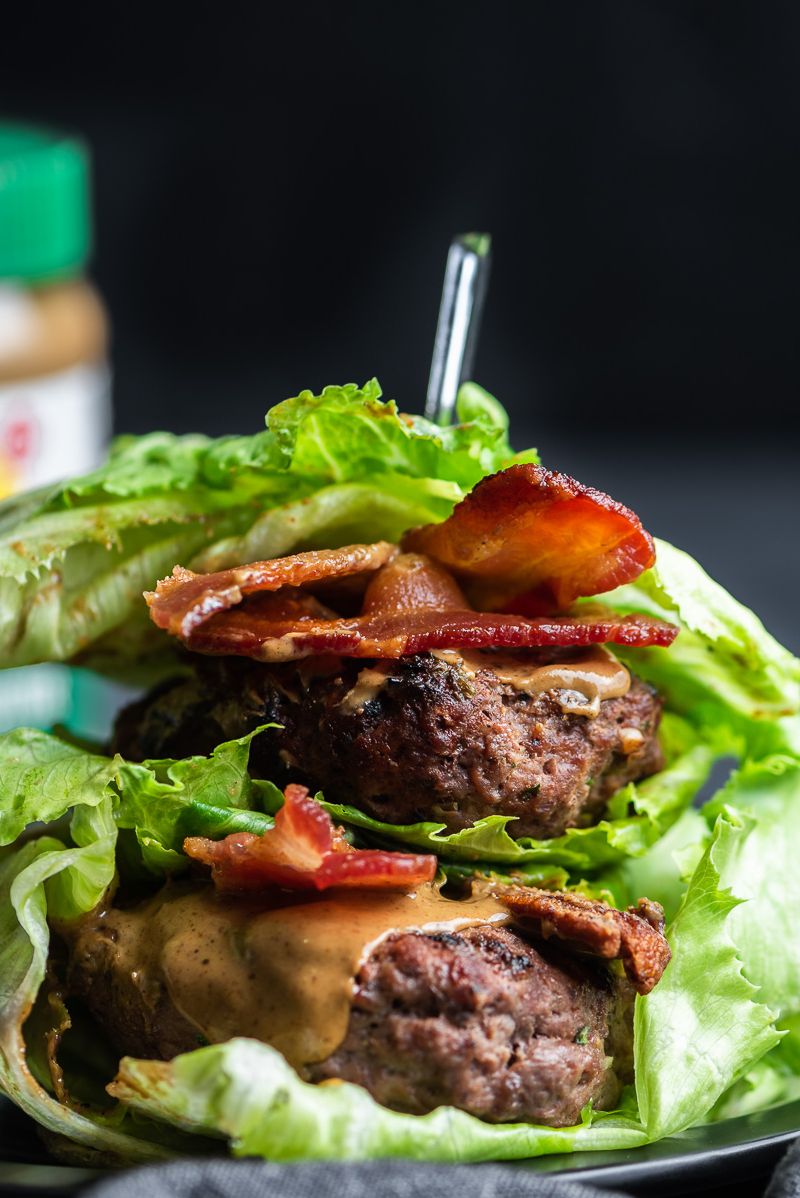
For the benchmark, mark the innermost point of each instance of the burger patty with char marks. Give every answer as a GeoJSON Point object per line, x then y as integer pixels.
{"type": "Point", "coordinates": [428, 743]}
{"type": "Point", "coordinates": [482, 1020]}
{"type": "Point", "coordinates": [479, 1019]}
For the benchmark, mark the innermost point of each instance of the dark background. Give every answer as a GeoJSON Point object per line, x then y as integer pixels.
{"type": "Point", "coordinates": [276, 187]}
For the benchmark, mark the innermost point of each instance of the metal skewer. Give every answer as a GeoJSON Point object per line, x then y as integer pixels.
{"type": "Point", "coordinates": [465, 280]}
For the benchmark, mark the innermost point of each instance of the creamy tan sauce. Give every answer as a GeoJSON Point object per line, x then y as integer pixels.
{"type": "Point", "coordinates": [283, 975]}
{"type": "Point", "coordinates": [278, 649]}
{"type": "Point", "coordinates": [579, 686]}
{"type": "Point", "coordinates": [630, 740]}
{"type": "Point", "coordinates": [368, 685]}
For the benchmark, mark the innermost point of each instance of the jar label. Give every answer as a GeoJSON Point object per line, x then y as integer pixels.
{"type": "Point", "coordinates": [53, 427]}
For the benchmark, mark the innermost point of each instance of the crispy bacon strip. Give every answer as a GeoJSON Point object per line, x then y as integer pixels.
{"type": "Point", "coordinates": [305, 851]}
{"type": "Point", "coordinates": [524, 542]}
{"type": "Point", "coordinates": [411, 605]}
{"type": "Point", "coordinates": [531, 541]}
{"type": "Point", "coordinates": [185, 600]}
{"type": "Point", "coordinates": [635, 936]}
{"type": "Point", "coordinates": [259, 632]}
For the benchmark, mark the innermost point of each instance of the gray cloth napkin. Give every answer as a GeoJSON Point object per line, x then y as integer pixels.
{"type": "Point", "coordinates": [369, 1179]}
{"type": "Point", "coordinates": [372, 1179]}
{"type": "Point", "coordinates": [786, 1178]}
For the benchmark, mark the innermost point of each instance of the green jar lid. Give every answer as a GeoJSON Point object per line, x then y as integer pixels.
{"type": "Point", "coordinates": [45, 221]}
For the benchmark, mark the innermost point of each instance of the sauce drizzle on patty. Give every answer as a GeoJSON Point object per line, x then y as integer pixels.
{"type": "Point", "coordinates": [579, 685]}
{"type": "Point", "coordinates": [282, 974]}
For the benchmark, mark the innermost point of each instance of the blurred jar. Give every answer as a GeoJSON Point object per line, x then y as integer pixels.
{"type": "Point", "coordinates": [55, 407]}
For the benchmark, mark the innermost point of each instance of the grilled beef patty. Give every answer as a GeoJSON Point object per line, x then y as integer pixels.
{"type": "Point", "coordinates": [477, 1018]}
{"type": "Point", "coordinates": [482, 1020]}
{"type": "Point", "coordinates": [427, 742]}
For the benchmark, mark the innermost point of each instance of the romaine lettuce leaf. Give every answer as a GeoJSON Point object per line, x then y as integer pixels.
{"type": "Point", "coordinates": [349, 434]}
{"type": "Point", "coordinates": [751, 828]}
{"type": "Point", "coordinates": [165, 801]}
{"type": "Point", "coordinates": [162, 802]}
{"type": "Point", "coordinates": [662, 873]}
{"type": "Point", "coordinates": [75, 558]}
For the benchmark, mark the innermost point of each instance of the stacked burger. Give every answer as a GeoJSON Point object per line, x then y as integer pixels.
{"type": "Point", "coordinates": [367, 869]}
{"type": "Point", "coordinates": [414, 682]}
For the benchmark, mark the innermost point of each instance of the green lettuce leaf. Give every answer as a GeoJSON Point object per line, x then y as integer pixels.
{"type": "Point", "coordinates": [703, 1026]}
{"type": "Point", "coordinates": [724, 669]}
{"type": "Point", "coordinates": [48, 878]}
{"type": "Point", "coordinates": [663, 871]}
{"type": "Point", "coordinates": [310, 431]}
{"type": "Point", "coordinates": [75, 558]}
{"type": "Point", "coordinates": [42, 777]}
{"type": "Point", "coordinates": [772, 1081]}
{"type": "Point", "coordinates": [762, 868]}
{"type": "Point", "coordinates": [162, 802]}
{"type": "Point", "coordinates": [245, 1091]}
{"type": "Point", "coordinates": [750, 830]}
{"type": "Point", "coordinates": [165, 801]}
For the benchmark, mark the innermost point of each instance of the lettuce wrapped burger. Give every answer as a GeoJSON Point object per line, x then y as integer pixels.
{"type": "Point", "coordinates": [378, 863]}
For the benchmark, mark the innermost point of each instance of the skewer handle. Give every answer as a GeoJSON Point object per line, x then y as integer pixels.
{"type": "Point", "coordinates": [465, 280]}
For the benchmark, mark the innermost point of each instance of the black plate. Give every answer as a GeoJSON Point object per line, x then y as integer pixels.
{"type": "Point", "coordinates": [720, 1154]}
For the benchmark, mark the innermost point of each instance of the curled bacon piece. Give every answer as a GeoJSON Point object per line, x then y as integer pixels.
{"type": "Point", "coordinates": [185, 600]}
{"type": "Point", "coordinates": [305, 851]}
{"type": "Point", "coordinates": [635, 936]}
{"type": "Point", "coordinates": [531, 541]}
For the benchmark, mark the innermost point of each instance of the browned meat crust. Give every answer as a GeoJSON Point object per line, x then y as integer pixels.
{"type": "Point", "coordinates": [636, 936]}
{"type": "Point", "coordinates": [430, 744]}
{"type": "Point", "coordinates": [484, 1021]}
